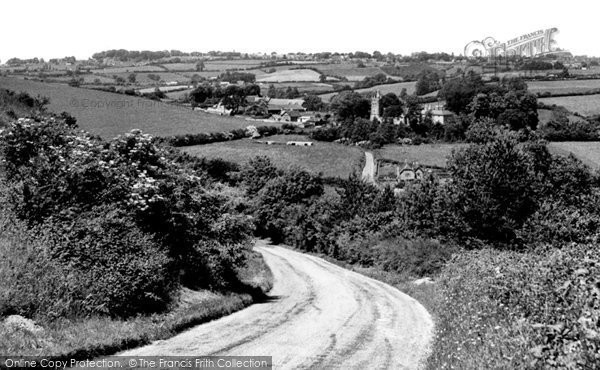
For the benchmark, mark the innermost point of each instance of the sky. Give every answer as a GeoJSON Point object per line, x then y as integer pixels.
{"type": "Point", "coordinates": [58, 28]}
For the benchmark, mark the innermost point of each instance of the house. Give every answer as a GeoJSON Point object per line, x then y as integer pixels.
{"type": "Point", "coordinates": [217, 109]}
{"type": "Point", "coordinates": [409, 173]}
{"type": "Point", "coordinates": [438, 113]}
{"type": "Point", "coordinates": [291, 116]}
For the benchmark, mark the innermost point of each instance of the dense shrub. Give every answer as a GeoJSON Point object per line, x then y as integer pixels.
{"type": "Point", "coordinates": [412, 257]}
{"type": "Point", "coordinates": [128, 218]}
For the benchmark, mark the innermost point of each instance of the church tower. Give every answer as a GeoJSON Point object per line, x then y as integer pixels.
{"type": "Point", "coordinates": [375, 106]}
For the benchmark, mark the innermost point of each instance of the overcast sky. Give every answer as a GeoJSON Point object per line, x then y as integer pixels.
{"type": "Point", "coordinates": [60, 28]}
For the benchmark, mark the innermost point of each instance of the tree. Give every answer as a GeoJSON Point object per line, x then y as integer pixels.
{"type": "Point", "coordinates": [257, 173]}
{"type": "Point", "coordinates": [494, 188]}
{"type": "Point", "coordinates": [132, 78]}
{"type": "Point", "coordinates": [428, 81]}
{"type": "Point", "coordinates": [459, 93]}
{"type": "Point", "coordinates": [313, 103]}
{"type": "Point", "coordinates": [349, 105]}
{"type": "Point", "coordinates": [200, 66]}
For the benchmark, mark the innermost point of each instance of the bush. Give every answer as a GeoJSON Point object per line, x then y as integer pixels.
{"type": "Point", "coordinates": [412, 257]}
{"type": "Point", "coordinates": [128, 219]}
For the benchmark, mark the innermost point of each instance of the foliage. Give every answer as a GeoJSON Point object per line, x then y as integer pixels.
{"type": "Point", "coordinates": [349, 105]}
{"type": "Point", "coordinates": [513, 310]}
{"type": "Point", "coordinates": [124, 215]}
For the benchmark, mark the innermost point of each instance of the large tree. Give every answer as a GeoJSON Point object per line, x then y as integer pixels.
{"type": "Point", "coordinates": [349, 105]}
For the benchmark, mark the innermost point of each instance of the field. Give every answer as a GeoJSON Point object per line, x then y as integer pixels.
{"type": "Point", "coordinates": [125, 69]}
{"type": "Point", "coordinates": [563, 87]}
{"type": "Point", "coordinates": [425, 154]}
{"type": "Point", "coordinates": [350, 71]}
{"type": "Point", "coordinates": [290, 75]}
{"type": "Point", "coordinates": [586, 105]}
{"type": "Point", "coordinates": [587, 152]}
{"type": "Point", "coordinates": [332, 160]}
{"type": "Point", "coordinates": [395, 88]}
{"type": "Point", "coordinates": [108, 114]}
{"type": "Point", "coordinates": [301, 86]}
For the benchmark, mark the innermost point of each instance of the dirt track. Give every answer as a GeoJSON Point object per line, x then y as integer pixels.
{"type": "Point", "coordinates": [368, 173]}
{"type": "Point", "coordinates": [320, 316]}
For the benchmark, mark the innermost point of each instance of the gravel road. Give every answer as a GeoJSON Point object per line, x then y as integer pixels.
{"type": "Point", "coordinates": [320, 316]}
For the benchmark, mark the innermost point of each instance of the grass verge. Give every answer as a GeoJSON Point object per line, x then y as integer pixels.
{"type": "Point", "coordinates": [101, 336]}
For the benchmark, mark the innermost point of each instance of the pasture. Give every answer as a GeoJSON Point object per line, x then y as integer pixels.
{"type": "Point", "coordinates": [301, 86]}
{"type": "Point", "coordinates": [349, 70]}
{"type": "Point", "coordinates": [290, 75]}
{"type": "Point", "coordinates": [395, 88]}
{"type": "Point", "coordinates": [434, 155]}
{"type": "Point", "coordinates": [109, 114]}
{"type": "Point", "coordinates": [587, 105]}
{"type": "Point", "coordinates": [330, 159]}
{"type": "Point", "coordinates": [563, 87]}
{"type": "Point", "coordinates": [588, 152]}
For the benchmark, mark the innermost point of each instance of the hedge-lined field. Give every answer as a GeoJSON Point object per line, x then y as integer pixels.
{"type": "Point", "coordinates": [108, 114]}
{"type": "Point", "coordinates": [333, 160]}
{"type": "Point", "coordinates": [424, 154]}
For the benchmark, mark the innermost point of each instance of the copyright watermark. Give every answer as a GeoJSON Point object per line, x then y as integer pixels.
{"type": "Point", "coordinates": [86, 103]}
{"type": "Point", "coordinates": [141, 362]}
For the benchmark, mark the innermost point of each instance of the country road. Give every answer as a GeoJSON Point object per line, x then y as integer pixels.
{"type": "Point", "coordinates": [320, 316]}
{"type": "Point", "coordinates": [368, 173]}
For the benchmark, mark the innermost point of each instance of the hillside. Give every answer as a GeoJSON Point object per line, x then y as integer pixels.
{"type": "Point", "coordinates": [109, 114]}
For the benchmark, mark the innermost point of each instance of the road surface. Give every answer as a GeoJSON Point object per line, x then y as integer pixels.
{"type": "Point", "coordinates": [320, 316]}
{"type": "Point", "coordinates": [368, 173]}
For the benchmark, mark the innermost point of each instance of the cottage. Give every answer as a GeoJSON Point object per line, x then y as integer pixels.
{"type": "Point", "coordinates": [291, 116]}
{"type": "Point", "coordinates": [409, 173]}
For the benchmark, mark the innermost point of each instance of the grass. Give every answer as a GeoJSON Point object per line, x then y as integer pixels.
{"type": "Point", "coordinates": [100, 336]}
{"type": "Point", "coordinates": [330, 159]}
{"type": "Point", "coordinates": [563, 87]}
{"type": "Point", "coordinates": [586, 105]}
{"type": "Point", "coordinates": [349, 70]}
{"type": "Point", "coordinates": [588, 152]}
{"type": "Point", "coordinates": [108, 114]}
{"type": "Point", "coordinates": [426, 154]}
{"type": "Point", "coordinates": [395, 88]}
{"type": "Point", "coordinates": [290, 75]}
{"type": "Point", "coordinates": [301, 86]}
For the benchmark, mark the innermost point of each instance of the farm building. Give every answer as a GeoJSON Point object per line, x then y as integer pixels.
{"type": "Point", "coordinates": [290, 116]}
{"type": "Point", "coordinates": [300, 143]}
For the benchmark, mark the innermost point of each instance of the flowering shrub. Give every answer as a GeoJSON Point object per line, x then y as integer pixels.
{"type": "Point", "coordinates": [129, 217]}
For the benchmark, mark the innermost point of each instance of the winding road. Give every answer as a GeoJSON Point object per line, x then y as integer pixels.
{"type": "Point", "coordinates": [368, 173]}
{"type": "Point", "coordinates": [319, 316]}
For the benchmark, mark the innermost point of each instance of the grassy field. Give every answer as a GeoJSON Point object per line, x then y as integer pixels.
{"type": "Point", "coordinates": [108, 115]}
{"type": "Point", "coordinates": [332, 160]}
{"type": "Point", "coordinates": [291, 75]}
{"type": "Point", "coordinates": [301, 86]}
{"type": "Point", "coordinates": [587, 152]}
{"type": "Point", "coordinates": [586, 105]}
{"type": "Point", "coordinates": [395, 88]}
{"type": "Point", "coordinates": [349, 70]}
{"type": "Point", "coordinates": [124, 69]}
{"type": "Point", "coordinates": [563, 87]}
{"type": "Point", "coordinates": [425, 154]}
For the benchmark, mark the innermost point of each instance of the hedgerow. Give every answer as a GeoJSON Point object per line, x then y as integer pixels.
{"type": "Point", "coordinates": [125, 222]}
